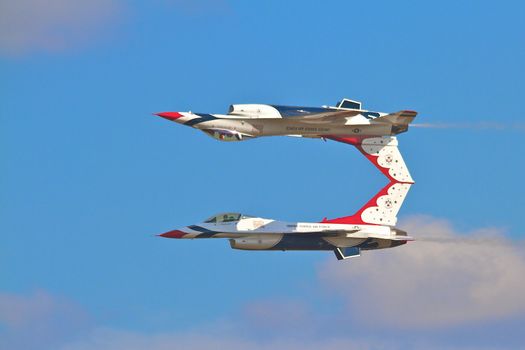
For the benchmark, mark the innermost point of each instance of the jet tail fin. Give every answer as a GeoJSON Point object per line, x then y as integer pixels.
{"type": "Point", "coordinates": [382, 209]}
{"type": "Point", "coordinates": [383, 153]}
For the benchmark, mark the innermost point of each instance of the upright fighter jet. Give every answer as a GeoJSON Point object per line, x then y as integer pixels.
{"type": "Point", "coordinates": [245, 121]}
{"type": "Point", "coordinates": [371, 227]}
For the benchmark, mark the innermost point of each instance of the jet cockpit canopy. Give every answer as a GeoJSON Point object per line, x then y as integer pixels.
{"type": "Point", "coordinates": [347, 103]}
{"type": "Point", "coordinates": [226, 217]}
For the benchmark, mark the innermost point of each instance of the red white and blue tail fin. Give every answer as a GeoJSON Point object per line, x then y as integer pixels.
{"type": "Point", "coordinates": [382, 209]}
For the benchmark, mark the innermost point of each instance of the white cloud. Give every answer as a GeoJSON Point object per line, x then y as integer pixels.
{"type": "Point", "coordinates": [276, 314]}
{"type": "Point", "coordinates": [53, 25]}
{"type": "Point", "coordinates": [444, 279]}
{"type": "Point", "coordinates": [47, 319]}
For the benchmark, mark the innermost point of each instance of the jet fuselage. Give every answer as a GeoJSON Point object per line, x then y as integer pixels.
{"type": "Point", "coordinates": [256, 120]}
{"type": "Point", "coordinates": [253, 233]}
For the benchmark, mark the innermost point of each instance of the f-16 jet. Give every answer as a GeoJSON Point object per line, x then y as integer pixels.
{"type": "Point", "coordinates": [246, 121]}
{"type": "Point", "coordinates": [371, 227]}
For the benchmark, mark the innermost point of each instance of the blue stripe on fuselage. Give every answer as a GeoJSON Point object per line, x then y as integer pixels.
{"type": "Point", "coordinates": [200, 229]}
{"type": "Point", "coordinates": [202, 118]}
{"type": "Point", "coordinates": [205, 232]}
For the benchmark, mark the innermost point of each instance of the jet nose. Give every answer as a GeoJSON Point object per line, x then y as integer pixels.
{"type": "Point", "coordinates": [169, 115]}
{"type": "Point", "coordinates": [173, 234]}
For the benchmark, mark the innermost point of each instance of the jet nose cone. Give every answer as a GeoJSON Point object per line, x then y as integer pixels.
{"type": "Point", "coordinates": [173, 234]}
{"type": "Point", "coordinates": [169, 115]}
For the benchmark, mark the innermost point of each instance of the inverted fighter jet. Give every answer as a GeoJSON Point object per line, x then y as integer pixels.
{"type": "Point", "coordinates": [246, 121]}
{"type": "Point", "coordinates": [372, 227]}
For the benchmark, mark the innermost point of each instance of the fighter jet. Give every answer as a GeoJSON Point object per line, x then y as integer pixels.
{"type": "Point", "coordinates": [246, 121]}
{"type": "Point", "coordinates": [371, 227]}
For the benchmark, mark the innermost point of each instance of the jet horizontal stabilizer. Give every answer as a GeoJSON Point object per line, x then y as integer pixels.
{"type": "Point", "coordinates": [399, 120]}
{"type": "Point", "coordinates": [401, 117]}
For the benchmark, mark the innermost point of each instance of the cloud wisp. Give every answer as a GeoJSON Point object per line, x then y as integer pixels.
{"type": "Point", "coordinates": [433, 283]}
{"type": "Point", "coordinates": [28, 26]}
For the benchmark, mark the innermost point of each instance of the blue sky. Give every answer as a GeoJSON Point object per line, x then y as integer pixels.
{"type": "Point", "coordinates": [89, 175]}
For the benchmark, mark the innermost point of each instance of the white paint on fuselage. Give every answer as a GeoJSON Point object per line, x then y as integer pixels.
{"type": "Point", "coordinates": [267, 230]}
{"type": "Point", "coordinates": [256, 127]}
{"type": "Point", "coordinates": [259, 226]}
